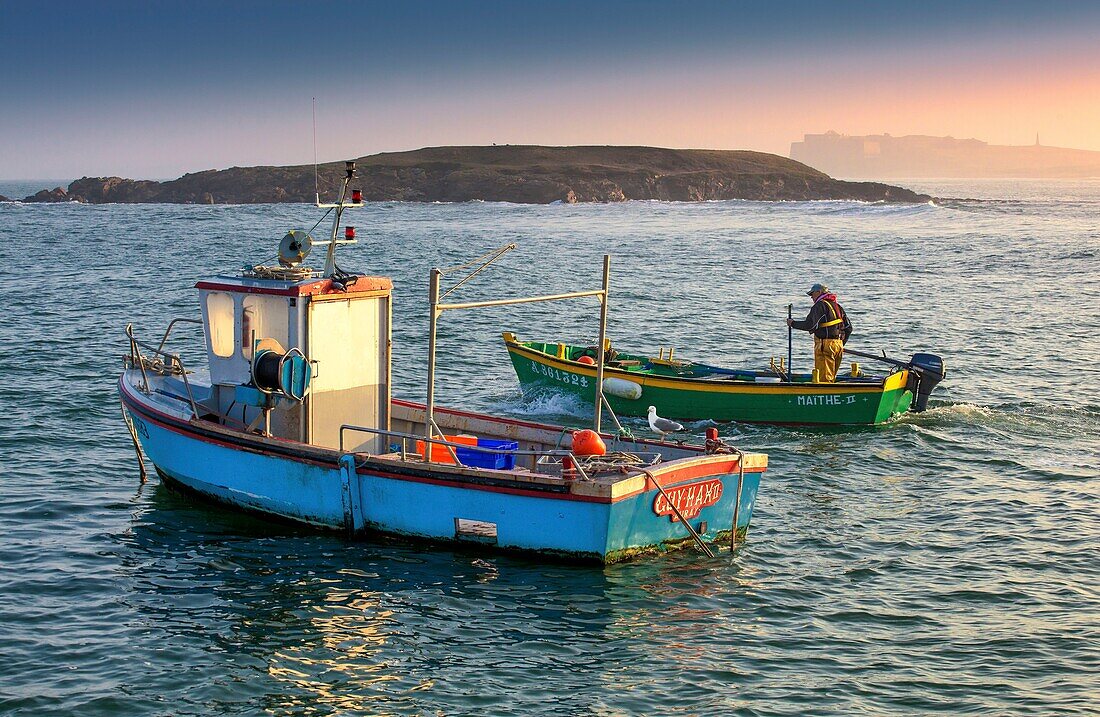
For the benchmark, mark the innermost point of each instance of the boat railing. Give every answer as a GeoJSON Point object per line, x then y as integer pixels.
{"type": "Point", "coordinates": [451, 446]}
{"type": "Point", "coordinates": [171, 363]}
{"type": "Point", "coordinates": [171, 325]}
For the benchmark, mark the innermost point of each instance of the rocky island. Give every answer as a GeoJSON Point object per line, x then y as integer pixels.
{"type": "Point", "coordinates": [506, 173]}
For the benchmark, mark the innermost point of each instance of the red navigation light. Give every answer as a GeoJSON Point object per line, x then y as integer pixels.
{"type": "Point", "coordinates": [356, 195]}
{"type": "Point", "coordinates": [349, 232]}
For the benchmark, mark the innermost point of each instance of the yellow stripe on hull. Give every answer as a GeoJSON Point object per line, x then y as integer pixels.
{"type": "Point", "coordinates": [893, 381]}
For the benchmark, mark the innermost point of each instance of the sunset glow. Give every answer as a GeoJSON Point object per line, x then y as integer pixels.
{"type": "Point", "coordinates": [158, 89]}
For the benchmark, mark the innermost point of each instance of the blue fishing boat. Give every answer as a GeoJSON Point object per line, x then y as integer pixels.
{"type": "Point", "coordinates": [293, 419]}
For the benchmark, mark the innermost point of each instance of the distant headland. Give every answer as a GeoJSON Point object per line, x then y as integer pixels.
{"type": "Point", "coordinates": [883, 156]}
{"type": "Point", "coordinates": [505, 173]}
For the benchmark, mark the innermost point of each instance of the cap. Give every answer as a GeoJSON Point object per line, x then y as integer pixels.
{"type": "Point", "coordinates": [816, 287]}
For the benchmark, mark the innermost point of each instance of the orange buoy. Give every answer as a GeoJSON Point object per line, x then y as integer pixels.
{"type": "Point", "coordinates": [588, 443]}
{"type": "Point", "coordinates": [587, 360]}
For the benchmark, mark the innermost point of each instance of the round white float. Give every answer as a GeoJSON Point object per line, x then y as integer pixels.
{"type": "Point", "coordinates": [621, 388]}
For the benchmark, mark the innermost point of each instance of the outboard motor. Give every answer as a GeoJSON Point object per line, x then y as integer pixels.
{"type": "Point", "coordinates": [926, 372]}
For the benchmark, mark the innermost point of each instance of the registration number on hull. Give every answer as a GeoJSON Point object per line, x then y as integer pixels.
{"type": "Point", "coordinates": [565, 377]}
{"type": "Point", "coordinates": [826, 400]}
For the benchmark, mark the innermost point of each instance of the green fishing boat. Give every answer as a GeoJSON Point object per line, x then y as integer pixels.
{"type": "Point", "coordinates": [685, 390]}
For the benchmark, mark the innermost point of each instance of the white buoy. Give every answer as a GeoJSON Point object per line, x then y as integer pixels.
{"type": "Point", "coordinates": [621, 388]}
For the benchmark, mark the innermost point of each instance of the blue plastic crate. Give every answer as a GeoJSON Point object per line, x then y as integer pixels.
{"type": "Point", "coordinates": [483, 459]}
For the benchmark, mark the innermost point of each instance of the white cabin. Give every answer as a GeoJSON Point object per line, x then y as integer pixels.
{"type": "Point", "coordinates": [342, 329]}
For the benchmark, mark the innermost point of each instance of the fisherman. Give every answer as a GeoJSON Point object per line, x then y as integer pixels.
{"type": "Point", "coordinates": [831, 328]}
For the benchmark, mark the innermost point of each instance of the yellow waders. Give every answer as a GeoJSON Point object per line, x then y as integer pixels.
{"type": "Point", "coordinates": [828, 353]}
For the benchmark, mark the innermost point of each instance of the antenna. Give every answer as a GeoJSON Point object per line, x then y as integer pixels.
{"type": "Point", "coordinates": [316, 190]}
{"type": "Point", "coordinates": [349, 232]}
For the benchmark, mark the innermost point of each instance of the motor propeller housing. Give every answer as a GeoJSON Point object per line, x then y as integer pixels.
{"type": "Point", "coordinates": [926, 371]}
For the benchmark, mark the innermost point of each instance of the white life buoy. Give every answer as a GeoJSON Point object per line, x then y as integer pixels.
{"type": "Point", "coordinates": [621, 388]}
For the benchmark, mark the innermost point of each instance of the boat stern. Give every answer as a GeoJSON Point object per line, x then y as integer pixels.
{"type": "Point", "coordinates": [926, 372]}
{"type": "Point", "coordinates": [711, 494]}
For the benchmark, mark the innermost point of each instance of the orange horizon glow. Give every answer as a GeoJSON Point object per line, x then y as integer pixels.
{"type": "Point", "coordinates": [709, 76]}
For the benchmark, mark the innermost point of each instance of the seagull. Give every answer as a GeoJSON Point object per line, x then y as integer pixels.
{"type": "Point", "coordinates": [662, 425]}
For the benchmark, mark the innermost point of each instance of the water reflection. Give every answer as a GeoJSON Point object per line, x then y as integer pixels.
{"type": "Point", "coordinates": [375, 625]}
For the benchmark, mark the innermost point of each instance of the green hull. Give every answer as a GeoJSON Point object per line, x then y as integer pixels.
{"type": "Point", "coordinates": [719, 398]}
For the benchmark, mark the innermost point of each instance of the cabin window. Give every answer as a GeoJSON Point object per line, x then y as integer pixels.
{"type": "Point", "coordinates": [264, 317]}
{"type": "Point", "coordinates": [219, 321]}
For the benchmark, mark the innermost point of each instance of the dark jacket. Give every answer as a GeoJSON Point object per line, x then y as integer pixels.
{"type": "Point", "coordinates": [825, 310]}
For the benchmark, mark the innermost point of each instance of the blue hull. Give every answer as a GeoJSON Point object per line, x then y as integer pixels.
{"type": "Point", "coordinates": [321, 488]}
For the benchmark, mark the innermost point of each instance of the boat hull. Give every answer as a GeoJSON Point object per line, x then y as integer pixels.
{"type": "Point", "coordinates": [694, 399]}
{"type": "Point", "coordinates": [357, 495]}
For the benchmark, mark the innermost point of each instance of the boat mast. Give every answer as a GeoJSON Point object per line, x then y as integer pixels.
{"type": "Point", "coordinates": [600, 352]}
{"type": "Point", "coordinates": [316, 182]}
{"type": "Point", "coordinates": [340, 206]}
{"type": "Point", "coordinates": [429, 407]}
{"type": "Point", "coordinates": [330, 257]}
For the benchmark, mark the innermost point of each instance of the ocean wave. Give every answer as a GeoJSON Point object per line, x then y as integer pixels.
{"type": "Point", "coordinates": [858, 208]}
{"type": "Point", "coordinates": [1072, 256]}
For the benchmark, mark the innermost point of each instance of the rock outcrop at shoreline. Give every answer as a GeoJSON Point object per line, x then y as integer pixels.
{"type": "Point", "coordinates": [507, 173]}
{"type": "Point", "coordinates": [57, 194]}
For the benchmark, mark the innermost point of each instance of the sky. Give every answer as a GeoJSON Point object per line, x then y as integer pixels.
{"type": "Point", "coordinates": [155, 89]}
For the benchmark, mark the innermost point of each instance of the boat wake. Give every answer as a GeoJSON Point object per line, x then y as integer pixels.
{"type": "Point", "coordinates": [951, 412]}
{"type": "Point", "coordinates": [1026, 415]}
{"type": "Point", "coordinates": [1031, 428]}
{"type": "Point", "coordinates": [991, 420]}
{"type": "Point", "coordinates": [547, 404]}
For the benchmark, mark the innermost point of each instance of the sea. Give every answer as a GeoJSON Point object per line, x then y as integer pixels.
{"type": "Point", "coordinates": [947, 562]}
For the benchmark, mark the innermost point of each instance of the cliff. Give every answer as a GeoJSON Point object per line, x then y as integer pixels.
{"type": "Point", "coordinates": [881, 155]}
{"type": "Point", "coordinates": [509, 173]}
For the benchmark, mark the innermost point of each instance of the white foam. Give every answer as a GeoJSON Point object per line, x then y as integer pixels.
{"type": "Point", "coordinates": [547, 403]}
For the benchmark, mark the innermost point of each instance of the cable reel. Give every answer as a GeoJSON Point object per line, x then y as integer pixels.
{"type": "Point", "coordinates": [279, 372]}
